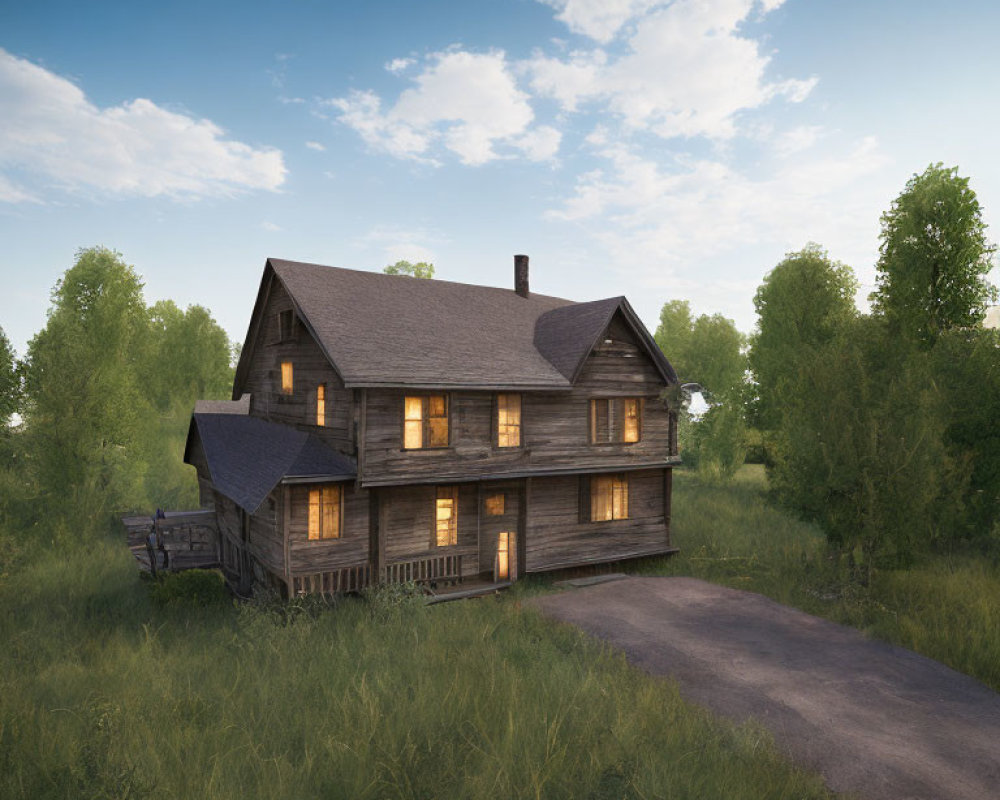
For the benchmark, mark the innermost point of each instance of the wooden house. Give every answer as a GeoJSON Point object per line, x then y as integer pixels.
{"type": "Point", "coordinates": [390, 428]}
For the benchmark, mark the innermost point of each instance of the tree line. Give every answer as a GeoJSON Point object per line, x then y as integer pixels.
{"type": "Point", "coordinates": [104, 393]}
{"type": "Point", "coordinates": [882, 427]}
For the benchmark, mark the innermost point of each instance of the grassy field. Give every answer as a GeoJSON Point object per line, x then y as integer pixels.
{"type": "Point", "coordinates": [946, 607]}
{"type": "Point", "coordinates": [109, 692]}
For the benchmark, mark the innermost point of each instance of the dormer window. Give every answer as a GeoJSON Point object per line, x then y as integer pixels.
{"type": "Point", "coordinates": [616, 420]}
{"type": "Point", "coordinates": [286, 325]}
{"type": "Point", "coordinates": [425, 421]}
{"type": "Point", "coordinates": [508, 420]}
{"type": "Point", "coordinates": [286, 377]}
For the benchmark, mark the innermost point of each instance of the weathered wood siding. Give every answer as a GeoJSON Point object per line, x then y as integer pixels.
{"type": "Point", "coordinates": [556, 538]}
{"type": "Point", "coordinates": [408, 514]}
{"type": "Point", "coordinates": [555, 426]}
{"type": "Point", "coordinates": [323, 555]}
{"type": "Point", "coordinates": [310, 368]}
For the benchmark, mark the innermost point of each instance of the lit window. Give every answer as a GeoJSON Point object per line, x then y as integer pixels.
{"type": "Point", "coordinates": [325, 505]}
{"type": "Point", "coordinates": [503, 554]}
{"type": "Point", "coordinates": [494, 505]}
{"type": "Point", "coordinates": [616, 419]}
{"type": "Point", "coordinates": [508, 420]}
{"type": "Point", "coordinates": [321, 404]}
{"type": "Point", "coordinates": [446, 517]}
{"type": "Point", "coordinates": [425, 421]}
{"type": "Point", "coordinates": [608, 497]}
{"type": "Point", "coordinates": [286, 377]}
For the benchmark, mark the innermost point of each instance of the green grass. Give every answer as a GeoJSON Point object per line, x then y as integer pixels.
{"type": "Point", "coordinates": [113, 691]}
{"type": "Point", "coordinates": [946, 606]}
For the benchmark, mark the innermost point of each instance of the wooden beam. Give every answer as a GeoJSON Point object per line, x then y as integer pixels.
{"type": "Point", "coordinates": [522, 529]}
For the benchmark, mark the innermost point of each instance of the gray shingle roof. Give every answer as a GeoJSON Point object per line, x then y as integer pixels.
{"type": "Point", "coordinates": [386, 330]}
{"type": "Point", "coordinates": [248, 456]}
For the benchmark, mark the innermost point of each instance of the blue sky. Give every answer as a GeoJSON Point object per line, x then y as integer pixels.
{"type": "Point", "coordinates": [659, 150]}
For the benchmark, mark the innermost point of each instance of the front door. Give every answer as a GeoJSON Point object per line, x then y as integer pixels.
{"type": "Point", "coordinates": [499, 513]}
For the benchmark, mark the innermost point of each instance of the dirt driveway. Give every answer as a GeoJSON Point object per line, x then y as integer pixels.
{"type": "Point", "coordinates": [873, 719]}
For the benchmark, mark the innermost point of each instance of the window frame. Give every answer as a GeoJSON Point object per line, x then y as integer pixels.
{"type": "Point", "coordinates": [285, 326]}
{"type": "Point", "coordinates": [320, 489]}
{"type": "Point", "coordinates": [425, 427]}
{"type": "Point", "coordinates": [615, 419]}
{"type": "Point", "coordinates": [451, 493]}
{"type": "Point", "coordinates": [495, 432]}
{"type": "Point", "coordinates": [588, 498]}
{"type": "Point", "coordinates": [290, 390]}
{"type": "Point", "coordinates": [320, 417]}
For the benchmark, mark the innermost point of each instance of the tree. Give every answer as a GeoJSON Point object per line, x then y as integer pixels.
{"type": "Point", "coordinates": [422, 269]}
{"type": "Point", "coordinates": [10, 381]}
{"type": "Point", "coordinates": [933, 257]}
{"type": "Point", "coordinates": [85, 408]}
{"type": "Point", "coordinates": [708, 351]}
{"type": "Point", "coordinates": [801, 306]}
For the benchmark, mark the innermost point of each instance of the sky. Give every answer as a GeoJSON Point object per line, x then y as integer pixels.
{"type": "Point", "coordinates": [660, 150]}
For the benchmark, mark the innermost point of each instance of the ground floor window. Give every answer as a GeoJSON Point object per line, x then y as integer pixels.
{"type": "Point", "coordinates": [608, 497]}
{"type": "Point", "coordinates": [325, 512]}
{"type": "Point", "coordinates": [446, 516]}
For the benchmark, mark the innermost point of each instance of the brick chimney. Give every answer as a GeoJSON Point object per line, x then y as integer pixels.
{"type": "Point", "coordinates": [521, 275]}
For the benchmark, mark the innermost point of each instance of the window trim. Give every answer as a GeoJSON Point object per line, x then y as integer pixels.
{"type": "Point", "coordinates": [452, 494]}
{"type": "Point", "coordinates": [286, 326]}
{"type": "Point", "coordinates": [340, 512]}
{"type": "Point", "coordinates": [616, 419]}
{"type": "Point", "coordinates": [425, 421]}
{"type": "Point", "coordinates": [495, 422]}
{"type": "Point", "coordinates": [587, 496]}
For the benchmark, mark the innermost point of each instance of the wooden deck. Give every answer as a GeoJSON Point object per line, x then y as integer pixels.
{"type": "Point", "coordinates": [183, 540]}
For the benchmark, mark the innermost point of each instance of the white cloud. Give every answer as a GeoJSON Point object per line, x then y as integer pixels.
{"type": "Point", "coordinates": [399, 64]}
{"type": "Point", "coordinates": [270, 227]}
{"type": "Point", "coordinates": [54, 134]}
{"type": "Point", "coordinates": [599, 19]}
{"type": "Point", "coordinates": [395, 243]}
{"type": "Point", "coordinates": [316, 146]}
{"type": "Point", "coordinates": [469, 102]}
{"type": "Point", "coordinates": [686, 72]}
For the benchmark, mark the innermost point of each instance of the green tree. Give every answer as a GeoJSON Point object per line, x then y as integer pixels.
{"type": "Point", "coordinates": [801, 305]}
{"type": "Point", "coordinates": [10, 381]}
{"type": "Point", "coordinates": [85, 409]}
{"type": "Point", "coordinates": [933, 257]}
{"type": "Point", "coordinates": [422, 269]}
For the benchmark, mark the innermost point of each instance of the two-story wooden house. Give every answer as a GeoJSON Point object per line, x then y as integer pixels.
{"type": "Point", "coordinates": [391, 428]}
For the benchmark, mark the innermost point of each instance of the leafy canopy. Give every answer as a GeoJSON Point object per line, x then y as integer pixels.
{"type": "Point", "coordinates": [422, 269]}
{"type": "Point", "coordinates": [933, 257]}
{"type": "Point", "coordinates": [10, 382]}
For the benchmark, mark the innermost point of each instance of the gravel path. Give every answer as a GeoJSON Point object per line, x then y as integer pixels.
{"type": "Point", "coordinates": [872, 718]}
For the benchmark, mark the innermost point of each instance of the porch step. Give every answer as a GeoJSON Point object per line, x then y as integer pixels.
{"type": "Point", "coordinates": [461, 594]}
{"type": "Point", "coordinates": [593, 580]}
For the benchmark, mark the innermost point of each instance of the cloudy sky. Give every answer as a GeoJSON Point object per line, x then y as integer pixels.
{"type": "Point", "coordinates": [654, 149]}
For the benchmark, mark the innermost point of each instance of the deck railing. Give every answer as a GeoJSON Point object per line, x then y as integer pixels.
{"type": "Point", "coordinates": [436, 569]}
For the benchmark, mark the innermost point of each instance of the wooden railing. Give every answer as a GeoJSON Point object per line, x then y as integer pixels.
{"type": "Point", "coordinates": [437, 569]}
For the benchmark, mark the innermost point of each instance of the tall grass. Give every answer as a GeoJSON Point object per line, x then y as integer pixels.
{"type": "Point", "coordinates": [947, 606]}
{"type": "Point", "coordinates": [111, 691]}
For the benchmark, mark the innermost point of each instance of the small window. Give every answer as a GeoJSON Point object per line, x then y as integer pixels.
{"type": "Point", "coordinates": [321, 404]}
{"type": "Point", "coordinates": [425, 421]}
{"type": "Point", "coordinates": [286, 325]}
{"type": "Point", "coordinates": [608, 497]}
{"type": "Point", "coordinates": [446, 517]}
{"type": "Point", "coordinates": [286, 377]}
{"type": "Point", "coordinates": [325, 512]}
{"type": "Point", "coordinates": [508, 420]}
{"type": "Point", "coordinates": [616, 419]}
{"type": "Point", "coordinates": [495, 505]}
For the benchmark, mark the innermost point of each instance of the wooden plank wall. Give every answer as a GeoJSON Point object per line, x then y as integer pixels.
{"type": "Point", "coordinates": [555, 537]}
{"type": "Point", "coordinates": [324, 555]}
{"type": "Point", "coordinates": [266, 543]}
{"type": "Point", "coordinates": [490, 527]}
{"type": "Point", "coordinates": [310, 368]}
{"type": "Point", "coordinates": [555, 425]}
{"type": "Point", "coordinates": [408, 514]}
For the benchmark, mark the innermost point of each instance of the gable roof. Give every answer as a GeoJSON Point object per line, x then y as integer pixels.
{"type": "Point", "coordinates": [248, 456]}
{"type": "Point", "coordinates": [386, 330]}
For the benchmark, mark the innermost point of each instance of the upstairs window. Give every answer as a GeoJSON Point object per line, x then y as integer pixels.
{"type": "Point", "coordinates": [616, 419]}
{"type": "Point", "coordinates": [608, 497]}
{"type": "Point", "coordinates": [321, 404]}
{"type": "Point", "coordinates": [508, 420]}
{"type": "Point", "coordinates": [286, 325]}
{"type": "Point", "coordinates": [446, 517]}
{"type": "Point", "coordinates": [325, 512]}
{"type": "Point", "coordinates": [286, 377]}
{"type": "Point", "coordinates": [425, 421]}
{"type": "Point", "coordinates": [495, 505]}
